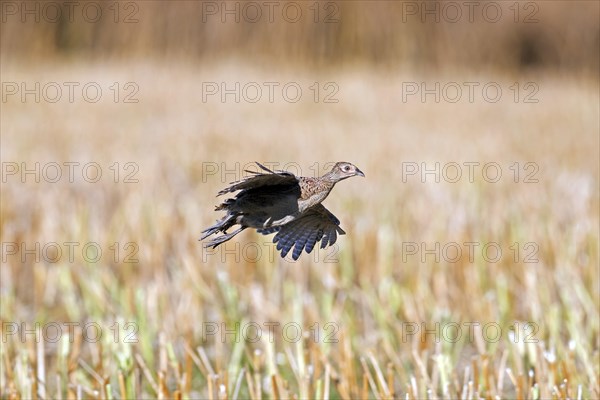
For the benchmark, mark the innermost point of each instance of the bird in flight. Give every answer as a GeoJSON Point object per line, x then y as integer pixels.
{"type": "Point", "coordinates": [282, 203]}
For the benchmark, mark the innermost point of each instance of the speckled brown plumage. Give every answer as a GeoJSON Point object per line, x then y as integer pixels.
{"type": "Point", "coordinates": [280, 202]}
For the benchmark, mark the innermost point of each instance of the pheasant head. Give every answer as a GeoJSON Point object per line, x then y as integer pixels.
{"type": "Point", "coordinates": [342, 170]}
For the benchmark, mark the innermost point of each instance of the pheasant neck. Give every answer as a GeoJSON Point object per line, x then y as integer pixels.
{"type": "Point", "coordinates": [331, 178]}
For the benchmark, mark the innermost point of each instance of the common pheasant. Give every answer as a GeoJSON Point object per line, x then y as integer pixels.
{"type": "Point", "coordinates": [280, 202]}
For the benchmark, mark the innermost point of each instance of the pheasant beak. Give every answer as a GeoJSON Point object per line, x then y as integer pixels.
{"type": "Point", "coordinates": [359, 173]}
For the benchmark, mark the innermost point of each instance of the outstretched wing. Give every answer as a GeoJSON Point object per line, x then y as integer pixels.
{"type": "Point", "coordinates": [315, 224]}
{"type": "Point", "coordinates": [259, 179]}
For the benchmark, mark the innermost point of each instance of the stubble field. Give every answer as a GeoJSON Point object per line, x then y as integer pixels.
{"type": "Point", "coordinates": [469, 268]}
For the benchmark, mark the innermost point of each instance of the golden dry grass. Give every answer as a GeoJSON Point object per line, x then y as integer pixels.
{"type": "Point", "coordinates": [372, 293]}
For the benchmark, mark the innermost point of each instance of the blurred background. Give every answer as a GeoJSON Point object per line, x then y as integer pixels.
{"type": "Point", "coordinates": [120, 121]}
{"type": "Point", "coordinates": [433, 35]}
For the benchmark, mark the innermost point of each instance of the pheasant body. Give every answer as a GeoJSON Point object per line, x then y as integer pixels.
{"type": "Point", "coordinates": [313, 191]}
{"type": "Point", "coordinates": [284, 203]}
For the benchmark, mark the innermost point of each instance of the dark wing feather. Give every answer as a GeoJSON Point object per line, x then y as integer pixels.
{"type": "Point", "coordinates": [316, 223]}
{"type": "Point", "coordinates": [269, 230]}
{"type": "Point", "coordinates": [270, 178]}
